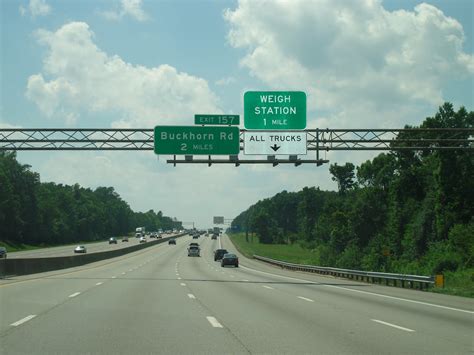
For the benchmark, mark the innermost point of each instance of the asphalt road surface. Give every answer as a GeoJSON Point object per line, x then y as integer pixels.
{"type": "Point", "coordinates": [66, 250]}
{"type": "Point", "coordinates": [160, 301]}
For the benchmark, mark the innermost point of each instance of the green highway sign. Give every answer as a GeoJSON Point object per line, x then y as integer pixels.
{"type": "Point", "coordinates": [196, 140]}
{"type": "Point", "coordinates": [217, 119]}
{"type": "Point", "coordinates": [271, 110]}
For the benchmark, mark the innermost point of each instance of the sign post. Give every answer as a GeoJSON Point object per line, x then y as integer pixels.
{"type": "Point", "coordinates": [196, 140]}
{"type": "Point", "coordinates": [271, 110]}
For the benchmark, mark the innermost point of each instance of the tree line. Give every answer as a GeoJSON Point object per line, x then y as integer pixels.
{"type": "Point", "coordinates": [36, 213]}
{"type": "Point", "coordinates": [404, 211]}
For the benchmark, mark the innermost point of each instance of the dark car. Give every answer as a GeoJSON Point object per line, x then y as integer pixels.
{"type": "Point", "coordinates": [219, 253]}
{"type": "Point", "coordinates": [3, 253]}
{"type": "Point", "coordinates": [196, 236]}
{"type": "Point", "coordinates": [194, 244]}
{"type": "Point", "coordinates": [125, 239]}
{"type": "Point", "coordinates": [172, 241]}
{"type": "Point", "coordinates": [112, 241]}
{"type": "Point", "coordinates": [214, 236]}
{"type": "Point", "coordinates": [194, 251]}
{"type": "Point", "coordinates": [230, 259]}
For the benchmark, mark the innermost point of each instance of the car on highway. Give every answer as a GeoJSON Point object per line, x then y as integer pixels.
{"type": "Point", "coordinates": [219, 253]}
{"type": "Point", "coordinates": [3, 253]}
{"type": "Point", "coordinates": [196, 236]}
{"type": "Point", "coordinates": [142, 240]}
{"type": "Point", "coordinates": [230, 259]}
{"type": "Point", "coordinates": [194, 244]}
{"type": "Point", "coordinates": [112, 240]}
{"type": "Point", "coordinates": [80, 249]}
{"type": "Point", "coordinates": [172, 241]}
{"type": "Point", "coordinates": [194, 251]}
{"type": "Point", "coordinates": [214, 236]}
{"type": "Point", "coordinates": [124, 239]}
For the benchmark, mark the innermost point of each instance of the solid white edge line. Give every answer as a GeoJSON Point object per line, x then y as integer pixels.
{"type": "Point", "coordinates": [214, 322]}
{"type": "Point", "coordinates": [304, 298]}
{"type": "Point", "coordinates": [392, 325]}
{"type": "Point", "coordinates": [190, 295]}
{"type": "Point", "coordinates": [365, 292]}
{"type": "Point", "coordinates": [270, 288]}
{"type": "Point", "coordinates": [98, 283]}
{"type": "Point", "coordinates": [21, 321]}
{"type": "Point", "coordinates": [74, 294]}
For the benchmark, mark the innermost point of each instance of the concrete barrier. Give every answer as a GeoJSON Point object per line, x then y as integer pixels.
{"type": "Point", "coordinates": [16, 267]}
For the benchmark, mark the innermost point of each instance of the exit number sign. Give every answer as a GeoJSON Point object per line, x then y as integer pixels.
{"type": "Point", "coordinates": [272, 110]}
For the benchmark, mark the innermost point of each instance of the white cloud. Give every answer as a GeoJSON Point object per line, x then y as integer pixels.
{"type": "Point", "coordinates": [83, 78]}
{"type": "Point", "coordinates": [352, 55]}
{"type": "Point", "coordinates": [132, 8]}
{"type": "Point", "coordinates": [36, 8]}
{"type": "Point", "coordinates": [226, 81]}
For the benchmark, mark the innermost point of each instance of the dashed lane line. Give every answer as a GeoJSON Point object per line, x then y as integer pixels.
{"type": "Point", "coordinates": [305, 299]}
{"type": "Point", "coordinates": [74, 294]}
{"type": "Point", "coordinates": [214, 322]}
{"type": "Point", "coordinates": [23, 320]}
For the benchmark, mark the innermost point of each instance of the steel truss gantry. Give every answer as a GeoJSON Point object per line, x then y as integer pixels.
{"type": "Point", "coordinates": [318, 140]}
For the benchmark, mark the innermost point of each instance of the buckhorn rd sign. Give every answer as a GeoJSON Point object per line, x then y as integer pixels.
{"type": "Point", "coordinates": [270, 110]}
{"type": "Point", "coordinates": [275, 143]}
{"type": "Point", "coordinates": [197, 140]}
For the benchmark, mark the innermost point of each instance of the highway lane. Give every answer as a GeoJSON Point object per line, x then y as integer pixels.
{"type": "Point", "coordinates": [161, 301]}
{"type": "Point", "coordinates": [66, 250]}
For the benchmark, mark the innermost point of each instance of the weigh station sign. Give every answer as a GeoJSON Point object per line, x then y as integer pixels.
{"type": "Point", "coordinates": [271, 110]}
{"type": "Point", "coordinates": [274, 143]}
{"type": "Point", "coordinates": [197, 140]}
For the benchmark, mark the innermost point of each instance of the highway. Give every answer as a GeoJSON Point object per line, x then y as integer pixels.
{"type": "Point", "coordinates": [66, 250]}
{"type": "Point", "coordinates": [159, 301]}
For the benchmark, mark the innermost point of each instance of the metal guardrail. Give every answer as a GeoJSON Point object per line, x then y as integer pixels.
{"type": "Point", "coordinates": [398, 280]}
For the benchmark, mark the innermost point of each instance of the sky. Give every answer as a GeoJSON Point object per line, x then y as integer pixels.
{"type": "Point", "coordinates": [138, 64]}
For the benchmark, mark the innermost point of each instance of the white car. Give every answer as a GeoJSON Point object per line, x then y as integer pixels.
{"type": "Point", "coordinates": [142, 240]}
{"type": "Point", "coordinates": [80, 249]}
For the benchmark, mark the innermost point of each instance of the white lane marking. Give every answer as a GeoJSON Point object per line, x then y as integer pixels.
{"type": "Point", "coordinates": [179, 278]}
{"type": "Point", "coordinates": [270, 288]}
{"type": "Point", "coordinates": [190, 295]}
{"type": "Point", "coordinates": [232, 276]}
{"type": "Point", "coordinates": [98, 283]}
{"type": "Point", "coordinates": [214, 322]}
{"type": "Point", "coordinates": [130, 270]}
{"type": "Point", "coordinates": [21, 321]}
{"type": "Point", "coordinates": [182, 284]}
{"type": "Point", "coordinates": [364, 292]}
{"type": "Point", "coordinates": [114, 277]}
{"type": "Point", "coordinates": [392, 325]}
{"type": "Point", "coordinates": [123, 273]}
{"type": "Point", "coordinates": [306, 299]}
{"type": "Point", "coordinates": [74, 294]}
{"type": "Point", "coordinates": [245, 280]}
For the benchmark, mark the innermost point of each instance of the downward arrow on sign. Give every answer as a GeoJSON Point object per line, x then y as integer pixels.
{"type": "Point", "coordinates": [275, 147]}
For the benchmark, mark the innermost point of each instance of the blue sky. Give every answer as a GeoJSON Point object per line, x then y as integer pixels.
{"type": "Point", "coordinates": [141, 63]}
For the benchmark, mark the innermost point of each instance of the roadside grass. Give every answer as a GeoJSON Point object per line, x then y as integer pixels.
{"type": "Point", "coordinates": [293, 253]}
{"type": "Point", "coordinates": [457, 283]}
